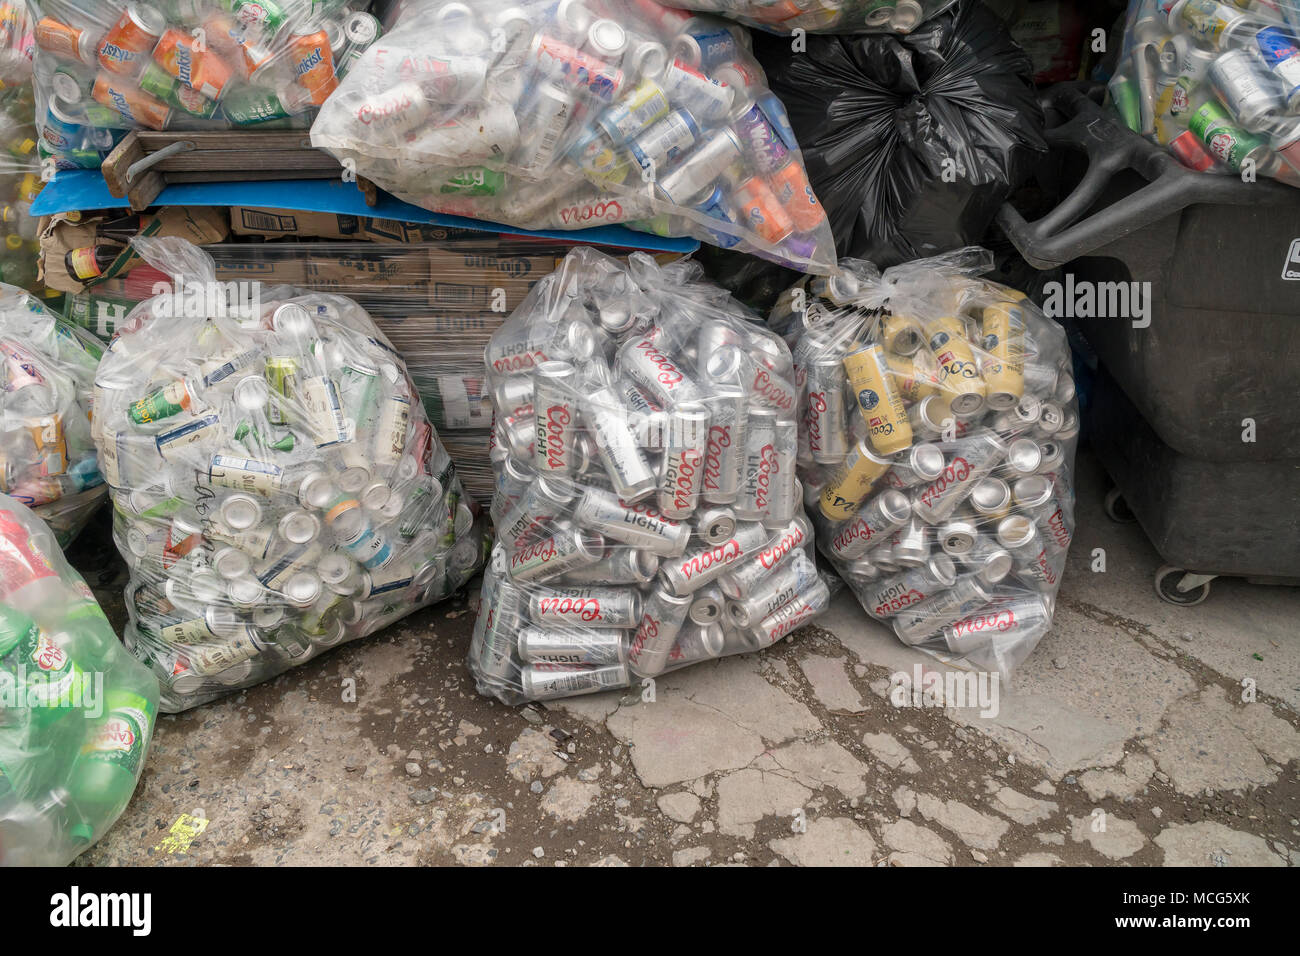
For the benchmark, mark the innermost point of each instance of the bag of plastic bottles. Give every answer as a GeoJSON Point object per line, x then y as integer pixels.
{"type": "Point", "coordinates": [647, 511]}
{"type": "Point", "coordinates": [277, 488]}
{"type": "Point", "coordinates": [912, 142]}
{"type": "Point", "coordinates": [823, 16]}
{"type": "Point", "coordinates": [47, 457]}
{"type": "Point", "coordinates": [578, 114]}
{"type": "Point", "coordinates": [20, 175]}
{"type": "Point", "coordinates": [937, 432]}
{"type": "Point", "coordinates": [1218, 84]}
{"type": "Point", "coordinates": [107, 66]}
{"type": "Point", "coordinates": [76, 710]}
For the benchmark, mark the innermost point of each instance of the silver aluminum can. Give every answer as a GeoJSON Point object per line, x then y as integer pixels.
{"type": "Point", "coordinates": [958, 536]}
{"type": "Point", "coordinates": [514, 395]}
{"type": "Point", "coordinates": [661, 622]}
{"type": "Point", "coordinates": [989, 560]}
{"type": "Point", "coordinates": [645, 362]}
{"type": "Point", "coordinates": [911, 542]}
{"type": "Point", "coordinates": [708, 606]}
{"type": "Point", "coordinates": [551, 557]}
{"type": "Point", "coordinates": [544, 504]}
{"type": "Point", "coordinates": [760, 463]}
{"type": "Point", "coordinates": [590, 646]}
{"type": "Point", "coordinates": [700, 168]}
{"type": "Point", "coordinates": [687, 574]}
{"type": "Point", "coordinates": [1019, 535]}
{"type": "Point", "coordinates": [824, 413]}
{"type": "Point", "coordinates": [793, 615]}
{"type": "Point", "coordinates": [1247, 89]}
{"type": "Point", "coordinates": [725, 448]}
{"type": "Point", "coordinates": [639, 525]}
{"type": "Point", "coordinates": [919, 464]}
{"type": "Point", "coordinates": [1002, 622]}
{"type": "Point", "coordinates": [897, 593]}
{"type": "Point", "coordinates": [990, 499]}
{"type": "Point", "coordinates": [715, 525]}
{"type": "Point", "coordinates": [623, 461]}
{"type": "Point", "coordinates": [1023, 458]}
{"type": "Point", "coordinates": [964, 598]}
{"type": "Point", "coordinates": [617, 566]}
{"type": "Point", "coordinates": [777, 550]}
{"type": "Point", "coordinates": [585, 607]}
{"type": "Point", "coordinates": [552, 681]}
{"type": "Point", "coordinates": [697, 642]}
{"type": "Point", "coordinates": [786, 495]}
{"type": "Point", "coordinates": [682, 477]}
{"type": "Point", "coordinates": [500, 618]}
{"type": "Point", "coordinates": [970, 459]}
{"type": "Point", "coordinates": [555, 415]}
{"type": "Point", "coordinates": [1037, 497]}
{"type": "Point", "coordinates": [885, 514]}
{"type": "Point", "coordinates": [790, 580]}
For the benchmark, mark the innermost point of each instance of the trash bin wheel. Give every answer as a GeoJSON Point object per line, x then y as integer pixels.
{"type": "Point", "coordinates": [1166, 583]}
{"type": "Point", "coordinates": [1117, 508]}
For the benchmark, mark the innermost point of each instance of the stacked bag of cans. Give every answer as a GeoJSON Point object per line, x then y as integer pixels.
{"type": "Point", "coordinates": [20, 174]}
{"type": "Point", "coordinates": [648, 514]}
{"type": "Point", "coordinates": [938, 426]}
{"type": "Point", "coordinates": [76, 710]}
{"type": "Point", "coordinates": [824, 16]}
{"type": "Point", "coordinates": [47, 457]}
{"type": "Point", "coordinates": [105, 66]}
{"type": "Point", "coordinates": [1217, 83]}
{"type": "Point", "coordinates": [576, 114]}
{"type": "Point", "coordinates": [277, 487]}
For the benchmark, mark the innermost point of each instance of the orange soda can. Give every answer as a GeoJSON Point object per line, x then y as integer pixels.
{"type": "Point", "coordinates": [795, 193]}
{"type": "Point", "coordinates": [60, 39]}
{"type": "Point", "coordinates": [313, 61]}
{"type": "Point", "coordinates": [127, 46]}
{"type": "Point", "coordinates": [133, 103]}
{"type": "Point", "coordinates": [762, 211]}
{"type": "Point", "coordinates": [200, 70]}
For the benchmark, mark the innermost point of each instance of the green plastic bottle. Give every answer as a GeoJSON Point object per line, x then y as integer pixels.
{"type": "Point", "coordinates": [104, 775]}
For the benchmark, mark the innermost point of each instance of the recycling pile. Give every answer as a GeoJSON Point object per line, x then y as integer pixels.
{"type": "Point", "coordinates": [47, 457]}
{"type": "Point", "coordinates": [277, 487]}
{"type": "Point", "coordinates": [107, 66]}
{"type": "Point", "coordinates": [76, 711]}
{"type": "Point", "coordinates": [938, 427]}
{"type": "Point", "coordinates": [647, 513]}
{"type": "Point", "coordinates": [20, 173]}
{"type": "Point", "coordinates": [824, 16]}
{"type": "Point", "coordinates": [584, 113]}
{"type": "Point", "coordinates": [1216, 84]}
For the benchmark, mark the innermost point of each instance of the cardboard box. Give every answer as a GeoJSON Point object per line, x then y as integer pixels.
{"type": "Point", "coordinates": [486, 281]}
{"type": "Point", "coordinates": [282, 223]}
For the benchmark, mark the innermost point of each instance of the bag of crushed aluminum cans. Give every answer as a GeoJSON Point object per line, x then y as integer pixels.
{"type": "Point", "coordinates": [107, 66]}
{"type": "Point", "coordinates": [647, 510]}
{"type": "Point", "coordinates": [1218, 84]}
{"type": "Point", "coordinates": [76, 710]}
{"type": "Point", "coordinates": [577, 114]}
{"type": "Point", "coordinates": [277, 487]}
{"type": "Point", "coordinates": [938, 426]}
{"type": "Point", "coordinates": [824, 16]}
{"type": "Point", "coordinates": [47, 457]}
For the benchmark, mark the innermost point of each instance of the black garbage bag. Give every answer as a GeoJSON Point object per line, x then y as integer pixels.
{"type": "Point", "coordinates": [911, 142]}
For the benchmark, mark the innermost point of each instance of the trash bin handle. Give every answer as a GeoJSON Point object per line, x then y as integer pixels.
{"type": "Point", "coordinates": [1112, 147]}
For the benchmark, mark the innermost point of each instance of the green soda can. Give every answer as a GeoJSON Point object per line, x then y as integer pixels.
{"type": "Point", "coordinates": [158, 83]}
{"type": "Point", "coordinates": [105, 772]}
{"type": "Point", "coordinates": [250, 105]}
{"type": "Point", "coordinates": [1124, 97]}
{"type": "Point", "coordinates": [474, 181]}
{"type": "Point", "coordinates": [169, 401]}
{"type": "Point", "coordinates": [245, 429]}
{"type": "Point", "coordinates": [262, 13]}
{"type": "Point", "coordinates": [36, 673]}
{"type": "Point", "coordinates": [1226, 141]}
{"type": "Point", "coordinates": [280, 375]}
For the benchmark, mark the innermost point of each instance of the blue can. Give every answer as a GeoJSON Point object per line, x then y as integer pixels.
{"type": "Point", "coordinates": [715, 207]}
{"type": "Point", "coordinates": [716, 46]}
{"type": "Point", "coordinates": [1281, 51]}
{"type": "Point", "coordinates": [62, 130]}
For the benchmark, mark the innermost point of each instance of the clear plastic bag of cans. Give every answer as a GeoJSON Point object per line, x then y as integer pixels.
{"type": "Point", "coordinates": [76, 710]}
{"type": "Point", "coordinates": [937, 433]}
{"type": "Point", "coordinates": [277, 487]}
{"type": "Point", "coordinates": [47, 456]}
{"type": "Point", "coordinates": [107, 66]}
{"type": "Point", "coordinates": [647, 514]}
{"type": "Point", "coordinates": [1217, 83]}
{"type": "Point", "coordinates": [578, 114]}
{"type": "Point", "coordinates": [824, 16]}
{"type": "Point", "coordinates": [20, 174]}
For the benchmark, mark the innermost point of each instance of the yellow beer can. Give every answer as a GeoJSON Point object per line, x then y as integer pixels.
{"type": "Point", "coordinates": [1003, 364]}
{"type": "Point", "coordinates": [878, 399]}
{"type": "Point", "coordinates": [916, 377]}
{"type": "Point", "coordinates": [851, 481]}
{"type": "Point", "coordinates": [959, 375]}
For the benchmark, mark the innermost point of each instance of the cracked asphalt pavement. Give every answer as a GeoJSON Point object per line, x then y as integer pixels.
{"type": "Point", "coordinates": [1137, 733]}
